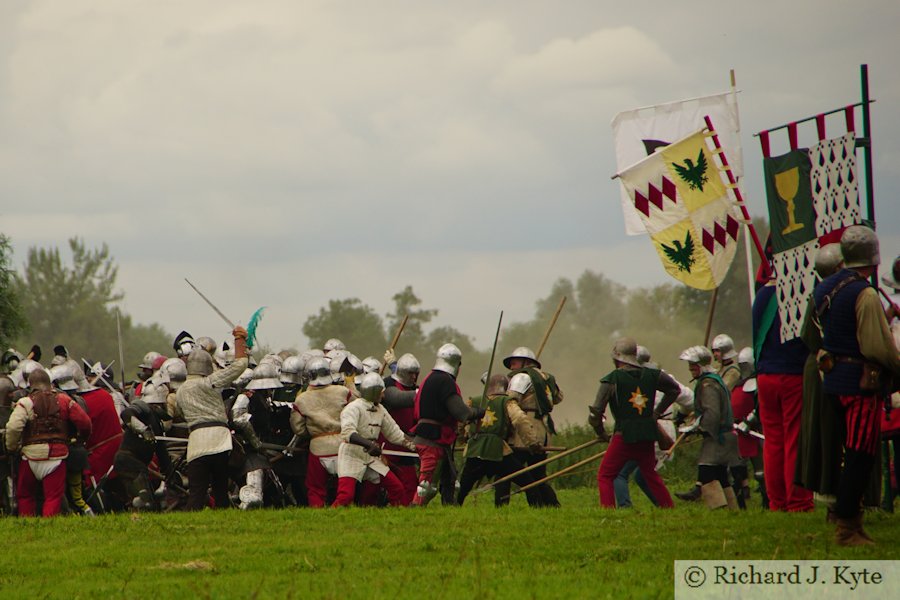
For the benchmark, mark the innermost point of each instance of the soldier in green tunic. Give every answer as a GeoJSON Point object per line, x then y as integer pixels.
{"type": "Point", "coordinates": [487, 452]}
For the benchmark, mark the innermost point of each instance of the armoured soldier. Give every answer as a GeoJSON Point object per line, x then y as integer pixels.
{"type": "Point", "coordinates": [859, 355]}
{"type": "Point", "coordinates": [38, 427]}
{"type": "Point", "coordinates": [62, 377]}
{"type": "Point", "coordinates": [399, 400]}
{"type": "Point", "coordinates": [890, 419]}
{"type": "Point", "coordinates": [106, 427]}
{"type": "Point", "coordinates": [745, 410]}
{"type": "Point", "coordinates": [440, 407]}
{"type": "Point", "coordinates": [184, 344]}
{"type": "Point", "coordinates": [251, 415]}
{"type": "Point", "coordinates": [712, 405]}
{"type": "Point", "coordinates": [290, 465]}
{"type": "Point", "coordinates": [145, 372]}
{"type": "Point", "coordinates": [362, 422]}
{"type": "Point", "coordinates": [487, 452]}
{"type": "Point", "coordinates": [144, 420]}
{"type": "Point", "coordinates": [317, 415]}
{"type": "Point", "coordinates": [201, 406]}
{"type": "Point", "coordinates": [725, 354]}
{"type": "Point", "coordinates": [7, 468]}
{"type": "Point", "coordinates": [536, 393]}
{"type": "Point", "coordinates": [630, 392]}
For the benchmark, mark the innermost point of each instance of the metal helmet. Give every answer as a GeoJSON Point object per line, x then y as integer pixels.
{"type": "Point", "coordinates": [318, 372]}
{"type": "Point", "coordinates": [859, 247]}
{"type": "Point", "coordinates": [184, 344]}
{"type": "Point", "coordinates": [265, 377]}
{"type": "Point", "coordinates": [333, 344]}
{"type": "Point", "coordinates": [199, 362]}
{"type": "Point", "coordinates": [449, 358]}
{"type": "Point", "coordinates": [371, 387]}
{"type": "Point", "coordinates": [207, 343]}
{"type": "Point", "coordinates": [498, 383]}
{"type": "Point", "coordinates": [745, 361]}
{"type": "Point", "coordinates": [521, 352]}
{"type": "Point", "coordinates": [173, 372]}
{"type": "Point", "coordinates": [724, 344]}
{"type": "Point", "coordinates": [7, 387]}
{"type": "Point", "coordinates": [292, 370]}
{"type": "Point", "coordinates": [370, 364]}
{"type": "Point", "coordinates": [58, 359]}
{"type": "Point", "coordinates": [153, 391]}
{"type": "Point", "coordinates": [81, 380]}
{"type": "Point", "coordinates": [159, 362]}
{"type": "Point", "coordinates": [147, 363]}
{"type": "Point", "coordinates": [407, 370]}
{"type": "Point", "coordinates": [224, 356]}
{"type": "Point", "coordinates": [272, 359]}
{"type": "Point", "coordinates": [893, 280]}
{"type": "Point", "coordinates": [828, 260]}
{"type": "Point", "coordinates": [625, 351]}
{"type": "Point", "coordinates": [700, 355]}
{"type": "Point", "coordinates": [642, 354]}
{"type": "Point", "coordinates": [12, 358]}
{"type": "Point", "coordinates": [63, 377]}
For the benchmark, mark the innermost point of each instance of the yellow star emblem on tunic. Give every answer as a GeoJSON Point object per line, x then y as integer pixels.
{"type": "Point", "coordinates": [638, 401]}
{"type": "Point", "coordinates": [489, 418]}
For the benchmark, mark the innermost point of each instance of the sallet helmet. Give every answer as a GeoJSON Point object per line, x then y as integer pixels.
{"type": "Point", "coordinates": [449, 358]}
{"type": "Point", "coordinates": [371, 386]}
{"type": "Point", "coordinates": [724, 344]}
{"type": "Point", "coordinates": [265, 377]}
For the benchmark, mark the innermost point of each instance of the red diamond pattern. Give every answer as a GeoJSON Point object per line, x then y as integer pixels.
{"type": "Point", "coordinates": [655, 196]}
{"type": "Point", "coordinates": [720, 235]}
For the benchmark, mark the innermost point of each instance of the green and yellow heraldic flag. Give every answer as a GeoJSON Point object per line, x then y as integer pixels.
{"type": "Point", "coordinates": [684, 204]}
{"type": "Point", "coordinates": [791, 209]}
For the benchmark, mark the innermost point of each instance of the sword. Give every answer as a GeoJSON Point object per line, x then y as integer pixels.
{"type": "Point", "coordinates": [97, 486]}
{"type": "Point", "coordinates": [211, 305]}
{"type": "Point", "coordinates": [99, 375]}
{"type": "Point", "coordinates": [755, 434]}
{"type": "Point", "coordinates": [400, 453]}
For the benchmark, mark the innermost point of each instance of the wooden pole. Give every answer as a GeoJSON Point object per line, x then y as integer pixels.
{"type": "Point", "coordinates": [395, 340]}
{"type": "Point", "coordinates": [489, 486]}
{"type": "Point", "coordinates": [709, 317]}
{"type": "Point", "coordinates": [543, 343]}
{"type": "Point", "coordinates": [559, 473]}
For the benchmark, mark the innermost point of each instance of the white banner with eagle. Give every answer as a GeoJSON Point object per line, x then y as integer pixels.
{"type": "Point", "coordinates": [683, 201]}
{"type": "Point", "coordinates": [639, 132]}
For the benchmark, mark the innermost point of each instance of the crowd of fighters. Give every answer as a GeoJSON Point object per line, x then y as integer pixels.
{"type": "Point", "coordinates": [209, 427]}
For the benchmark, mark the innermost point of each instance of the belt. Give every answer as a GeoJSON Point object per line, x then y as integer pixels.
{"type": "Point", "coordinates": [430, 421]}
{"type": "Point", "coordinates": [205, 424]}
{"type": "Point", "coordinates": [848, 359]}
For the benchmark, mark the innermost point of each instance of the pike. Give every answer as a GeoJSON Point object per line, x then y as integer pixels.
{"type": "Point", "coordinates": [544, 339]}
{"type": "Point", "coordinates": [559, 473]}
{"type": "Point", "coordinates": [490, 486]}
{"type": "Point", "coordinates": [121, 351]}
{"type": "Point", "coordinates": [211, 305]}
{"type": "Point", "coordinates": [396, 339]}
{"type": "Point", "coordinates": [487, 377]}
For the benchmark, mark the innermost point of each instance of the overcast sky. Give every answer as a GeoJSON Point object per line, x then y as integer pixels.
{"type": "Point", "coordinates": [288, 153]}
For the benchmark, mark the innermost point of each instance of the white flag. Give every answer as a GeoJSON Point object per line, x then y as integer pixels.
{"type": "Point", "coordinates": [638, 133]}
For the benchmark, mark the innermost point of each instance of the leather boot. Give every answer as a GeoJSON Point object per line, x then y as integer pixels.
{"type": "Point", "coordinates": [690, 496]}
{"type": "Point", "coordinates": [847, 534]}
{"type": "Point", "coordinates": [858, 523]}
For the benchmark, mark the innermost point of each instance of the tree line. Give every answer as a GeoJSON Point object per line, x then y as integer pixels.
{"type": "Point", "coordinates": [74, 301]}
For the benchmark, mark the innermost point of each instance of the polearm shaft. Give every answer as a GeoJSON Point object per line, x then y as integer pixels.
{"type": "Point", "coordinates": [559, 473]}
{"type": "Point", "coordinates": [211, 305]}
{"type": "Point", "coordinates": [587, 444]}
{"type": "Point", "coordinates": [121, 352]}
{"type": "Point", "coordinates": [395, 340]}
{"type": "Point", "coordinates": [543, 343]}
{"type": "Point", "coordinates": [491, 364]}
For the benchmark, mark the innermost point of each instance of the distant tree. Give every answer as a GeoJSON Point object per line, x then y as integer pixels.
{"type": "Point", "coordinates": [351, 321]}
{"type": "Point", "coordinates": [413, 338]}
{"type": "Point", "coordinates": [12, 315]}
{"type": "Point", "coordinates": [74, 305]}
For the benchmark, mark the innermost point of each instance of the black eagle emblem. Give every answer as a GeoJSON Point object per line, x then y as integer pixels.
{"type": "Point", "coordinates": [691, 174]}
{"type": "Point", "coordinates": [681, 256]}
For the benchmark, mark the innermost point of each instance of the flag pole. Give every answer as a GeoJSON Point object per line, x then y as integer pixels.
{"type": "Point", "coordinates": [740, 198]}
{"type": "Point", "coordinates": [709, 317]}
{"type": "Point", "coordinates": [748, 254]}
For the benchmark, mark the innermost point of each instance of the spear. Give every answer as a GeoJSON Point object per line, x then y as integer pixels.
{"type": "Point", "coordinates": [559, 473]}
{"type": "Point", "coordinates": [489, 486]}
{"type": "Point", "coordinates": [396, 339]}
{"type": "Point", "coordinates": [491, 364]}
{"type": "Point", "coordinates": [543, 343]}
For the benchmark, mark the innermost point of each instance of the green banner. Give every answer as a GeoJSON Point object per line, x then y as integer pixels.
{"type": "Point", "coordinates": [792, 215]}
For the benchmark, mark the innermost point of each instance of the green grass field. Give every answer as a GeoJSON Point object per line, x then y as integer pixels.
{"type": "Point", "coordinates": [578, 551]}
